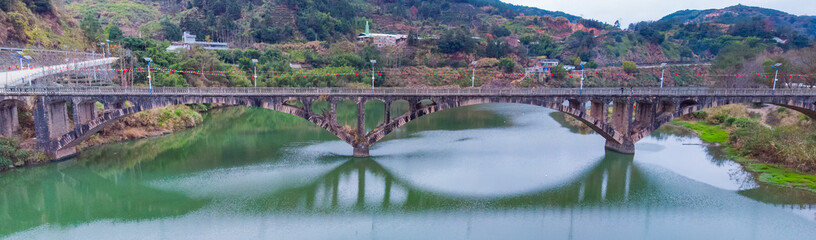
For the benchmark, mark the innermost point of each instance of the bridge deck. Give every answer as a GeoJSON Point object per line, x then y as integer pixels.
{"type": "Point", "coordinates": [20, 77]}
{"type": "Point", "coordinates": [176, 91]}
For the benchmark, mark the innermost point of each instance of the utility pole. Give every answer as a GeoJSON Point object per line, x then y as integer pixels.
{"type": "Point", "coordinates": [372, 74]}
{"type": "Point", "coordinates": [473, 77]}
{"type": "Point", "coordinates": [662, 74]}
{"type": "Point", "coordinates": [149, 79]}
{"type": "Point", "coordinates": [255, 71]}
{"type": "Point", "coordinates": [581, 91]}
{"type": "Point", "coordinates": [776, 77]}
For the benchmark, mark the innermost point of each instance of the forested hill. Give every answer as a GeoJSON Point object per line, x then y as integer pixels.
{"type": "Point", "coordinates": [746, 17]}
{"type": "Point", "coordinates": [736, 39]}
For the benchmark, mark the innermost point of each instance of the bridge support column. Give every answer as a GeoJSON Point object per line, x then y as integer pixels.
{"type": "Point", "coordinates": [84, 112]}
{"type": "Point", "coordinates": [622, 122]}
{"type": "Point", "coordinates": [8, 120]}
{"type": "Point", "coordinates": [51, 121]}
{"type": "Point", "coordinates": [626, 148]}
{"type": "Point", "coordinates": [599, 111]}
{"type": "Point", "coordinates": [387, 112]}
{"type": "Point", "coordinates": [360, 143]}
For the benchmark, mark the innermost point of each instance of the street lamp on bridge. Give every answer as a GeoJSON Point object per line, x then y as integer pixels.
{"type": "Point", "coordinates": [149, 80]}
{"type": "Point", "coordinates": [776, 75]}
{"type": "Point", "coordinates": [473, 79]}
{"type": "Point", "coordinates": [255, 71]}
{"type": "Point", "coordinates": [581, 91]}
{"type": "Point", "coordinates": [372, 74]}
{"type": "Point", "coordinates": [28, 64]}
{"type": "Point", "coordinates": [662, 73]}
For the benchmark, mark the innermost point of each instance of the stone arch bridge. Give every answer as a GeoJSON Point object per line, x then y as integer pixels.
{"type": "Point", "coordinates": [621, 116]}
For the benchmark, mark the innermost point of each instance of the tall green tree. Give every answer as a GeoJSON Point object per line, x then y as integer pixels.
{"type": "Point", "coordinates": [90, 25]}
{"type": "Point", "coordinates": [171, 31]}
{"type": "Point", "coordinates": [114, 33]}
{"type": "Point", "coordinates": [456, 40]}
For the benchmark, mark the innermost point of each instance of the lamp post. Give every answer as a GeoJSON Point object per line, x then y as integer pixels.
{"type": "Point", "coordinates": [372, 74]}
{"type": "Point", "coordinates": [20, 54]}
{"type": "Point", "coordinates": [28, 72]}
{"type": "Point", "coordinates": [255, 71]}
{"type": "Point", "coordinates": [581, 91]}
{"type": "Point", "coordinates": [473, 78]}
{"type": "Point", "coordinates": [149, 80]}
{"type": "Point", "coordinates": [662, 74]}
{"type": "Point", "coordinates": [776, 75]}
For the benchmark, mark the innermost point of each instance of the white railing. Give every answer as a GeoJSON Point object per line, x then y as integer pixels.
{"type": "Point", "coordinates": [689, 91]}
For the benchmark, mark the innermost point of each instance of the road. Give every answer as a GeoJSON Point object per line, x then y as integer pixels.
{"type": "Point", "coordinates": [20, 77]}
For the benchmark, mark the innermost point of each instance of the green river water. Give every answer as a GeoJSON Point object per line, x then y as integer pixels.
{"type": "Point", "coordinates": [494, 171]}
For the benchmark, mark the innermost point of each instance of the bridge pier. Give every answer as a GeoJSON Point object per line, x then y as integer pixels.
{"type": "Point", "coordinates": [625, 148]}
{"type": "Point", "coordinates": [361, 151]}
{"type": "Point", "coordinates": [361, 144]}
{"type": "Point", "coordinates": [9, 121]}
{"type": "Point", "coordinates": [51, 119]}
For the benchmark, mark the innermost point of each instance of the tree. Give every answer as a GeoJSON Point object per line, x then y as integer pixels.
{"type": "Point", "coordinates": [629, 67]}
{"type": "Point", "coordinates": [171, 31]}
{"type": "Point", "coordinates": [558, 72]}
{"type": "Point", "coordinates": [496, 49]}
{"type": "Point", "coordinates": [508, 65]}
{"type": "Point", "coordinates": [90, 25]}
{"type": "Point", "coordinates": [412, 38]}
{"type": "Point", "coordinates": [456, 40]}
{"type": "Point", "coordinates": [592, 64]}
{"type": "Point", "coordinates": [500, 31]}
{"type": "Point", "coordinates": [41, 6]}
{"type": "Point", "coordinates": [114, 33]}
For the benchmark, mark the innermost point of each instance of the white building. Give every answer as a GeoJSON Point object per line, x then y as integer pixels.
{"type": "Point", "coordinates": [189, 40]}
{"type": "Point", "coordinates": [383, 40]}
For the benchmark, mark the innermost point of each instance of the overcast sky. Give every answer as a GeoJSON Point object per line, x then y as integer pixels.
{"type": "Point", "coordinates": [629, 11]}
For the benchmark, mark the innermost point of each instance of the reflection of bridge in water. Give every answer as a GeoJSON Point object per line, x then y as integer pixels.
{"type": "Point", "coordinates": [365, 184]}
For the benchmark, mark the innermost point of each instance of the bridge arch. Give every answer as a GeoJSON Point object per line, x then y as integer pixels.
{"type": "Point", "coordinates": [690, 105]}
{"type": "Point", "coordinates": [85, 130]}
{"type": "Point", "coordinates": [419, 109]}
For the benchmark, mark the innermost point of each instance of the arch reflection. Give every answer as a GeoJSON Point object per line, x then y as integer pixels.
{"type": "Point", "coordinates": [364, 185]}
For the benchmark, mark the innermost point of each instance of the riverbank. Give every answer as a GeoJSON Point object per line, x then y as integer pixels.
{"type": "Point", "coordinates": [21, 151]}
{"type": "Point", "coordinates": [775, 143]}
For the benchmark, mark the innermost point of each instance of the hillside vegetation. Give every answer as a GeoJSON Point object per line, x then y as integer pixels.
{"type": "Point", "coordinates": [444, 37]}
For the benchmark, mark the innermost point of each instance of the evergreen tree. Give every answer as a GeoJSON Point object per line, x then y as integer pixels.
{"type": "Point", "coordinates": [172, 31]}
{"type": "Point", "coordinates": [90, 25]}
{"type": "Point", "coordinates": [114, 33]}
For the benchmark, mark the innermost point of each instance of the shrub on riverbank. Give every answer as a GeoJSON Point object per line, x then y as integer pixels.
{"type": "Point", "coordinates": [11, 153]}
{"type": "Point", "coordinates": [776, 143]}
{"type": "Point", "coordinates": [792, 146]}
{"type": "Point", "coordinates": [149, 123]}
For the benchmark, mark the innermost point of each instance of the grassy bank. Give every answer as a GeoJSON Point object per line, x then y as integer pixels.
{"type": "Point", "coordinates": [150, 123]}
{"type": "Point", "coordinates": [21, 151]}
{"type": "Point", "coordinates": [777, 144]}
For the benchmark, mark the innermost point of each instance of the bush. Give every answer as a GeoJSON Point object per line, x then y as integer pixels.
{"type": "Point", "coordinates": [745, 123]}
{"type": "Point", "coordinates": [506, 64]}
{"type": "Point", "coordinates": [757, 105]}
{"type": "Point", "coordinates": [700, 115]}
{"type": "Point", "coordinates": [717, 119]}
{"type": "Point", "coordinates": [730, 121]}
{"type": "Point", "coordinates": [629, 67]}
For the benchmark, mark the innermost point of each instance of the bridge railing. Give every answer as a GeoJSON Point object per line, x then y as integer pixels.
{"type": "Point", "coordinates": [689, 91]}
